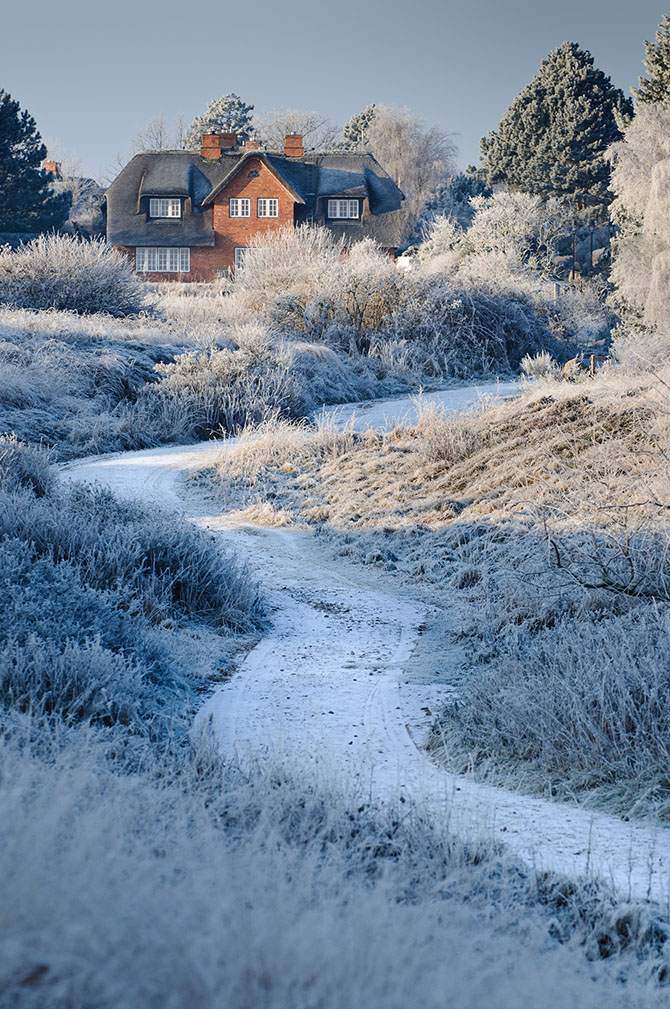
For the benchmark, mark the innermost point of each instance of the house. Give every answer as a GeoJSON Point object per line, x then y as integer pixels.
{"type": "Point", "coordinates": [191, 215]}
{"type": "Point", "coordinates": [85, 216]}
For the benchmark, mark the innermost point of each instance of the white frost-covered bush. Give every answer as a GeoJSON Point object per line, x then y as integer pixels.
{"type": "Point", "coordinates": [291, 262]}
{"type": "Point", "coordinates": [418, 326]}
{"type": "Point", "coordinates": [73, 274]}
{"type": "Point", "coordinates": [540, 365]}
{"type": "Point", "coordinates": [261, 375]}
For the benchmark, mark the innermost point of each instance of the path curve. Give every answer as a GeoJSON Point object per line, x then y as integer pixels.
{"type": "Point", "coordinates": [326, 690]}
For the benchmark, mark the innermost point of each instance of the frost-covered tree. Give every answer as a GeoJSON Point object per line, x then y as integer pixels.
{"type": "Point", "coordinates": [553, 138]}
{"type": "Point", "coordinates": [27, 201]}
{"type": "Point", "coordinates": [452, 200]}
{"type": "Point", "coordinates": [512, 227]}
{"type": "Point", "coordinates": [641, 187]}
{"type": "Point", "coordinates": [656, 86]}
{"type": "Point", "coordinates": [228, 114]}
{"type": "Point", "coordinates": [520, 226]}
{"type": "Point", "coordinates": [418, 157]}
{"type": "Point", "coordinates": [354, 134]}
{"type": "Point", "coordinates": [318, 132]}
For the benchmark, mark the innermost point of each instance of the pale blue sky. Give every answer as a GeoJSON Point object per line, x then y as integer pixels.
{"type": "Point", "coordinates": [93, 74]}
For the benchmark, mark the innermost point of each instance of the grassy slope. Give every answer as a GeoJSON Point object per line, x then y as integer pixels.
{"type": "Point", "coordinates": [545, 521]}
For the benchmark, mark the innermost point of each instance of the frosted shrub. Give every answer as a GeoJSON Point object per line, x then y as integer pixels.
{"type": "Point", "coordinates": [580, 315]}
{"type": "Point", "coordinates": [361, 294]}
{"type": "Point", "coordinates": [582, 705]}
{"type": "Point", "coordinates": [168, 568]}
{"type": "Point", "coordinates": [305, 282]}
{"type": "Point", "coordinates": [540, 365]}
{"type": "Point", "coordinates": [442, 248]}
{"type": "Point", "coordinates": [289, 263]}
{"type": "Point", "coordinates": [224, 389]}
{"type": "Point", "coordinates": [518, 225]}
{"type": "Point", "coordinates": [459, 333]}
{"type": "Point", "coordinates": [66, 273]}
{"type": "Point", "coordinates": [23, 465]}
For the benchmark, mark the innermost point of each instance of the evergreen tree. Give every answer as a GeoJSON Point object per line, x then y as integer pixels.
{"type": "Point", "coordinates": [355, 131]}
{"type": "Point", "coordinates": [656, 87]}
{"type": "Point", "coordinates": [553, 138]}
{"type": "Point", "coordinates": [27, 201]}
{"type": "Point", "coordinates": [228, 114]}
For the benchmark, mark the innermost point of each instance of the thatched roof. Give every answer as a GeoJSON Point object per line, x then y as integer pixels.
{"type": "Point", "coordinates": [314, 176]}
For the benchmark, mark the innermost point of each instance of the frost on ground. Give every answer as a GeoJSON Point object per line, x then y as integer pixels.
{"type": "Point", "coordinates": [292, 697]}
{"type": "Point", "coordinates": [542, 524]}
{"type": "Point", "coordinates": [166, 875]}
{"type": "Point", "coordinates": [205, 886]}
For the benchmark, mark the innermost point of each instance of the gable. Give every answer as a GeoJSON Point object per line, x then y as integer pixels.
{"type": "Point", "coordinates": [241, 179]}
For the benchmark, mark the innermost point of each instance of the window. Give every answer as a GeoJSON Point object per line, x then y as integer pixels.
{"type": "Point", "coordinates": [240, 208]}
{"type": "Point", "coordinates": [170, 207]}
{"type": "Point", "coordinates": [343, 209]}
{"type": "Point", "coordinates": [158, 260]}
{"type": "Point", "coordinates": [268, 208]}
{"type": "Point", "coordinates": [240, 256]}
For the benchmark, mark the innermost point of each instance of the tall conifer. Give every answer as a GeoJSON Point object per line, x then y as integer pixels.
{"type": "Point", "coordinates": [552, 139]}
{"type": "Point", "coordinates": [656, 86]}
{"type": "Point", "coordinates": [27, 201]}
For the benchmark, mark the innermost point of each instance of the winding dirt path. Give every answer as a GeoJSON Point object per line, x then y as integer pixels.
{"type": "Point", "coordinates": [327, 687]}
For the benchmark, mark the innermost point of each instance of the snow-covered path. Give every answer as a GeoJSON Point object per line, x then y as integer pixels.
{"type": "Point", "coordinates": [326, 688]}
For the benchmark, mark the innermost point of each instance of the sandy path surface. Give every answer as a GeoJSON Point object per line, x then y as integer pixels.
{"type": "Point", "coordinates": [327, 689]}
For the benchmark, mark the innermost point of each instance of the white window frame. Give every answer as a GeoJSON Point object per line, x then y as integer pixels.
{"type": "Point", "coordinates": [267, 207]}
{"type": "Point", "coordinates": [240, 207]}
{"type": "Point", "coordinates": [164, 208]}
{"type": "Point", "coordinates": [342, 210]}
{"type": "Point", "coordinates": [241, 254]}
{"type": "Point", "coordinates": [162, 259]}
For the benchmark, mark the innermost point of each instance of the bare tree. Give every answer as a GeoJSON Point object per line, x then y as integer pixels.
{"type": "Point", "coordinates": [156, 135]}
{"type": "Point", "coordinates": [418, 157]}
{"type": "Point", "coordinates": [318, 132]}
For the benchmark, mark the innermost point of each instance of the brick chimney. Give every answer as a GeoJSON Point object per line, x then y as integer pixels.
{"type": "Point", "coordinates": [53, 168]}
{"type": "Point", "coordinates": [293, 146]}
{"type": "Point", "coordinates": [252, 145]}
{"type": "Point", "coordinates": [213, 143]}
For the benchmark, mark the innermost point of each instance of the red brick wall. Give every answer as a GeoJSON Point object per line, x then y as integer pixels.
{"type": "Point", "coordinates": [237, 232]}
{"type": "Point", "coordinates": [234, 232]}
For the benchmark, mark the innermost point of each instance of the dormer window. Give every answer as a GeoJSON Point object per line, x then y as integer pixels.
{"type": "Point", "coordinates": [344, 209]}
{"type": "Point", "coordinates": [165, 208]}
